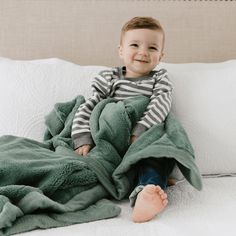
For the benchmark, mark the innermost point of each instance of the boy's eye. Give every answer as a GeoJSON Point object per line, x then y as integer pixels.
{"type": "Point", "coordinates": [134, 45]}
{"type": "Point", "coordinates": [154, 48]}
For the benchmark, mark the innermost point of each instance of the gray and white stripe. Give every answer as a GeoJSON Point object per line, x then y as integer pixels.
{"type": "Point", "coordinates": [109, 84]}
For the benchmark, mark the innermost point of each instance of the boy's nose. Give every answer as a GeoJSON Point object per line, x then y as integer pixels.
{"type": "Point", "coordinates": [143, 52]}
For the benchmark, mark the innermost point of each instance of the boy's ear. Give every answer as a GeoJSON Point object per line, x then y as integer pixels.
{"type": "Point", "coordinates": [161, 56]}
{"type": "Point", "coordinates": [120, 51]}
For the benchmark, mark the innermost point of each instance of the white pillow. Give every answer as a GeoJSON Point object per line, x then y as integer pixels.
{"type": "Point", "coordinates": [204, 99]}
{"type": "Point", "coordinates": [29, 90]}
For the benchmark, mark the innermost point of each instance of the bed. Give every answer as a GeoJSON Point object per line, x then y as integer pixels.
{"type": "Point", "coordinates": [49, 47]}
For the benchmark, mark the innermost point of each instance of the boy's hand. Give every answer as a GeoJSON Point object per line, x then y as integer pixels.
{"type": "Point", "coordinates": [133, 138]}
{"type": "Point", "coordinates": [83, 150]}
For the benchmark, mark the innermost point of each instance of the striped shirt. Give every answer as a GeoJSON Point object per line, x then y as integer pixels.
{"type": "Point", "coordinates": [111, 83]}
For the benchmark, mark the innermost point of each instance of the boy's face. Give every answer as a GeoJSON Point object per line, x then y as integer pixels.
{"type": "Point", "coordinates": [141, 51]}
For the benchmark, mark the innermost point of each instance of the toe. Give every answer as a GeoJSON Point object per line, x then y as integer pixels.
{"type": "Point", "coordinates": [163, 196]}
{"type": "Point", "coordinates": [161, 192]}
{"type": "Point", "coordinates": [165, 202]}
{"type": "Point", "coordinates": [150, 187]}
{"type": "Point", "coordinates": [158, 188]}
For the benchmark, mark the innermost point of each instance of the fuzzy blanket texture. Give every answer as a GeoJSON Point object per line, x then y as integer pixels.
{"type": "Point", "coordinates": [45, 185]}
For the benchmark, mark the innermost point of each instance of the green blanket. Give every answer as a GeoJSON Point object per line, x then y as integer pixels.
{"type": "Point", "coordinates": [44, 185]}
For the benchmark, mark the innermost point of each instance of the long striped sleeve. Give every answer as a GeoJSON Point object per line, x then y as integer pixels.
{"type": "Point", "coordinates": [112, 83]}
{"type": "Point", "coordinates": [160, 103]}
{"type": "Point", "coordinates": [80, 127]}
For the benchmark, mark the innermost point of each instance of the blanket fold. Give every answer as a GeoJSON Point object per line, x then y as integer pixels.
{"type": "Point", "coordinates": [45, 184]}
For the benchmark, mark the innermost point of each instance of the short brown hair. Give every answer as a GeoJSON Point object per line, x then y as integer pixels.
{"type": "Point", "coordinates": [142, 23]}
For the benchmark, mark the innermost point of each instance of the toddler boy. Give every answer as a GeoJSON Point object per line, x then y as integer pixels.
{"type": "Point", "coordinates": [141, 50]}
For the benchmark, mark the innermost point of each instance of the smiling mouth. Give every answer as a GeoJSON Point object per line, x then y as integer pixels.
{"type": "Point", "coordinates": [142, 61]}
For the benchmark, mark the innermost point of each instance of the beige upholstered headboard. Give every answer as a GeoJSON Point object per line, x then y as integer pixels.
{"type": "Point", "coordinates": [87, 31]}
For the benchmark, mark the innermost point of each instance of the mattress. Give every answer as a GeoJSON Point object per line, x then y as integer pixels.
{"type": "Point", "coordinates": [211, 211]}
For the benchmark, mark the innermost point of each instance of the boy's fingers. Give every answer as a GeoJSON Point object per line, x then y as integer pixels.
{"type": "Point", "coordinates": [80, 151]}
{"type": "Point", "coordinates": [133, 138]}
{"type": "Point", "coordinates": [77, 151]}
{"type": "Point", "coordinates": [83, 151]}
{"type": "Point", "coordinates": [86, 150]}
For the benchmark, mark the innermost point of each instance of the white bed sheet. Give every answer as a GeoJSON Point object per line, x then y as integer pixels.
{"type": "Point", "coordinates": [209, 212]}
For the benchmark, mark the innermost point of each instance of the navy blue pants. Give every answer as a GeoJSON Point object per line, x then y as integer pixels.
{"type": "Point", "coordinates": [155, 171]}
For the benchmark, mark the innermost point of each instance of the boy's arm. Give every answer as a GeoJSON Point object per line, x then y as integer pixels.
{"type": "Point", "coordinates": [81, 134]}
{"type": "Point", "coordinates": [159, 106]}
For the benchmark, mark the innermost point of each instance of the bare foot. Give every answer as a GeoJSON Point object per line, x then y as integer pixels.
{"type": "Point", "coordinates": [150, 201]}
